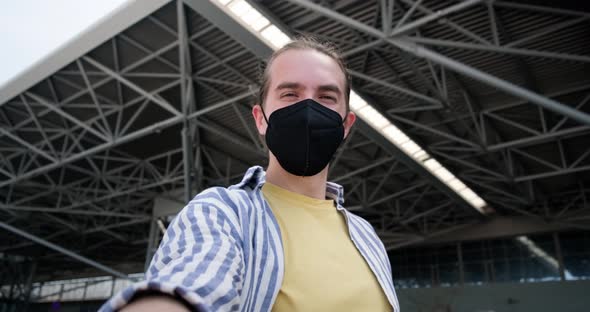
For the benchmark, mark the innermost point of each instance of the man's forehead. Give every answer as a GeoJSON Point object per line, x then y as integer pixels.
{"type": "Point", "coordinates": [308, 64]}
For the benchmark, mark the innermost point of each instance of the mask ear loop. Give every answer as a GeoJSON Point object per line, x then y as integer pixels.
{"type": "Point", "coordinates": [343, 122]}
{"type": "Point", "coordinates": [264, 114]}
{"type": "Point", "coordinates": [343, 139]}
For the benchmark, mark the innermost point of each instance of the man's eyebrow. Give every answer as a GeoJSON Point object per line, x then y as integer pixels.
{"type": "Point", "coordinates": [330, 87]}
{"type": "Point", "coordinates": [296, 85]}
{"type": "Point", "coordinates": [288, 85]}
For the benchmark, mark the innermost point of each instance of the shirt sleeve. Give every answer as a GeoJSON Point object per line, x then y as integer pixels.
{"type": "Point", "coordinates": [200, 260]}
{"type": "Point", "coordinates": [380, 253]}
{"type": "Point", "coordinates": [385, 258]}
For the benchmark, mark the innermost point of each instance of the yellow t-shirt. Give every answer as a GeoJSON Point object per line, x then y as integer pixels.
{"type": "Point", "coordinates": [323, 269]}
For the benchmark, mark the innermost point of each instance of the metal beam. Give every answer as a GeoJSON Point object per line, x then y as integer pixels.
{"type": "Point", "coordinates": [411, 47]}
{"type": "Point", "coordinates": [232, 28]}
{"type": "Point", "coordinates": [161, 102]}
{"type": "Point", "coordinates": [547, 30]}
{"type": "Point", "coordinates": [411, 163]}
{"type": "Point", "coordinates": [237, 109]}
{"type": "Point", "coordinates": [500, 49]}
{"type": "Point", "coordinates": [434, 131]}
{"type": "Point", "coordinates": [90, 120]}
{"type": "Point", "coordinates": [395, 87]}
{"type": "Point", "coordinates": [426, 213]}
{"type": "Point", "coordinates": [493, 81]}
{"type": "Point", "coordinates": [420, 239]}
{"type": "Point", "coordinates": [448, 22]}
{"type": "Point", "coordinates": [123, 139]}
{"type": "Point", "coordinates": [538, 8]}
{"type": "Point", "coordinates": [27, 144]}
{"type": "Point", "coordinates": [396, 194]}
{"type": "Point", "coordinates": [62, 250]}
{"type": "Point", "coordinates": [114, 23]}
{"type": "Point", "coordinates": [72, 212]}
{"type": "Point", "coordinates": [230, 136]}
{"type": "Point", "coordinates": [541, 138]}
{"type": "Point", "coordinates": [129, 190]}
{"type": "Point", "coordinates": [74, 186]}
{"type": "Point", "coordinates": [186, 98]}
{"type": "Point", "coordinates": [373, 164]}
{"type": "Point", "coordinates": [550, 174]}
{"type": "Point", "coordinates": [497, 227]}
{"type": "Point", "coordinates": [65, 115]}
{"type": "Point", "coordinates": [99, 148]}
{"type": "Point", "coordinates": [105, 124]}
{"type": "Point", "coordinates": [414, 25]}
{"type": "Point", "coordinates": [117, 225]}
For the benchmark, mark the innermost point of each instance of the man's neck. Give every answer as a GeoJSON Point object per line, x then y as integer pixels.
{"type": "Point", "coordinates": [314, 186]}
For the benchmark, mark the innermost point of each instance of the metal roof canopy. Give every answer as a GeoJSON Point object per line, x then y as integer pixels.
{"type": "Point", "coordinates": [79, 165]}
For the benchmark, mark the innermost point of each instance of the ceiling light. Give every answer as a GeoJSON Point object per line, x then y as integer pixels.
{"type": "Point", "coordinates": [478, 203]}
{"type": "Point", "coordinates": [260, 23]}
{"type": "Point", "coordinates": [421, 155]}
{"type": "Point", "coordinates": [251, 16]}
{"type": "Point", "coordinates": [240, 8]}
{"type": "Point", "coordinates": [372, 116]}
{"type": "Point", "coordinates": [539, 252]}
{"type": "Point", "coordinates": [410, 147]}
{"type": "Point", "coordinates": [356, 102]}
{"type": "Point", "coordinates": [444, 175]}
{"type": "Point", "coordinates": [394, 134]}
{"type": "Point", "coordinates": [468, 194]}
{"type": "Point", "coordinates": [456, 184]}
{"type": "Point", "coordinates": [275, 36]}
{"type": "Point", "coordinates": [432, 164]}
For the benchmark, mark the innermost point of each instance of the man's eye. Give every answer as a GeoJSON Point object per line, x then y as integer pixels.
{"type": "Point", "coordinates": [327, 97]}
{"type": "Point", "coordinates": [289, 95]}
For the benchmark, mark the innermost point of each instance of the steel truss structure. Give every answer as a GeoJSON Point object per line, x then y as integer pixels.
{"type": "Point", "coordinates": [497, 91]}
{"type": "Point", "coordinates": [16, 274]}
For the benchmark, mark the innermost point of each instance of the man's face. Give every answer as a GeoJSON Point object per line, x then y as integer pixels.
{"type": "Point", "coordinates": [297, 75]}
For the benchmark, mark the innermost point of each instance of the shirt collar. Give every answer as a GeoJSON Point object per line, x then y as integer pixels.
{"type": "Point", "coordinates": [255, 177]}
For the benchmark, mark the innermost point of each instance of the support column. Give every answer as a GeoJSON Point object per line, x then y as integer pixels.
{"type": "Point", "coordinates": [185, 88]}
{"type": "Point", "coordinates": [112, 286]}
{"type": "Point", "coordinates": [29, 285]}
{"type": "Point", "coordinates": [561, 266]}
{"type": "Point", "coordinates": [461, 266]}
{"type": "Point", "coordinates": [151, 243]}
{"type": "Point", "coordinates": [85, 292]}
{"type": "Point", "coordinates": [190, 132]}
{"type": "Point", "coordinates": [187, 146]}
{"type": "Point", "coordinates": [61, 292]}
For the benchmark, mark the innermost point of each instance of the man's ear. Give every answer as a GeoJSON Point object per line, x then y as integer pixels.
{"type": "Point", "coordinates": [259, 119]}
{"type": "Point", "coordinates": [350, 119]}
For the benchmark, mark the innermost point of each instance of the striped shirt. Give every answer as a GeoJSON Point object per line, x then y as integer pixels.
{"type": "Point", "coordinates": [223, 251]}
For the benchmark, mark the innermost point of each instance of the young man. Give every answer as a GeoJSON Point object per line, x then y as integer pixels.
{"type": "Point", "coordinates": [279, 240]}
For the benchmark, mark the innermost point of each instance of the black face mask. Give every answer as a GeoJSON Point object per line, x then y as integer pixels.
{"type": "Point", "coordinates": [304, 136]}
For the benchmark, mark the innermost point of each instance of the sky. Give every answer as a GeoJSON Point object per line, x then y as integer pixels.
{"type": "Point", "coordinates": [32, 29]}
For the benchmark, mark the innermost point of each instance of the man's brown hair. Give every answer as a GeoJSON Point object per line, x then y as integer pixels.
{"type": "Point", "coordinates": [305, 43]}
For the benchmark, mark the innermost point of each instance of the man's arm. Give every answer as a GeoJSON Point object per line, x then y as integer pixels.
{"type": "Point", "coordinates": [199, 263]}
{"type": "Point", "coordinates": [155, 304]}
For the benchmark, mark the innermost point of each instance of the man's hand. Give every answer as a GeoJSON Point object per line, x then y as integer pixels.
{"type": "Point", "coordinates": [192, 236]}
{"type": "Point", "coordinates": [155, 303]}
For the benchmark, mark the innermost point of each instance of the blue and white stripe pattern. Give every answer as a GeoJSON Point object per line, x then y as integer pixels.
{"type": "Point", "coordinates": [223, 251]}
